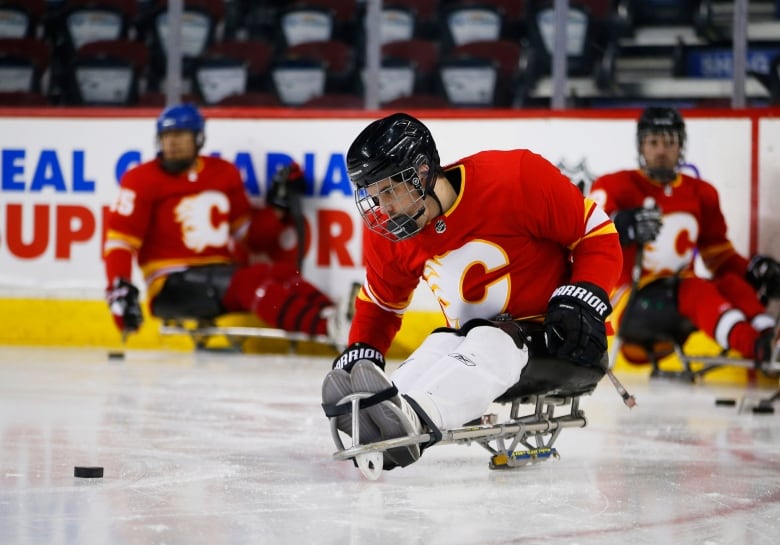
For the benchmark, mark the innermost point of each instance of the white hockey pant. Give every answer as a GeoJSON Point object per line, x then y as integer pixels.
{"type": "Point", "coordinates": [455, 379]}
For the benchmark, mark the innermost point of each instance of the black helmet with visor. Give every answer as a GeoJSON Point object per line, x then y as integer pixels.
{"type": "Point", "coordinates": [393, 164]}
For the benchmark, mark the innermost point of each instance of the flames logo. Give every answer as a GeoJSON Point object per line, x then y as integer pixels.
{"type": "Point", "coordinates": [200, 227]}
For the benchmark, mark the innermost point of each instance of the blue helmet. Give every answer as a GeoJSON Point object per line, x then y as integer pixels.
{"type": "Point", "coordinates": [182, 117]}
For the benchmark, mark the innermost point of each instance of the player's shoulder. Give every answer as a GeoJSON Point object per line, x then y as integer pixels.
{"type": "Point", "coordinates": [213, 161]}
{"type": "Point", "coordinates": [701, 185]}
{"type": "Point", "coordinates": [146, 171]}
{"type": "Point", "coordinates": [493, 155]}
{"type": "Point", "coordinates": [614, 179]}
{"type": "Point", "coordinates": [617, 175]}
{"type": "Point", "coordinates": [221, 169]}
{"type": "Point", "coordinates": [691, 179]}
{"type": "Point", "coordinates": [521, 163]}
{"type": "Point", "coordinates": [146, 166]}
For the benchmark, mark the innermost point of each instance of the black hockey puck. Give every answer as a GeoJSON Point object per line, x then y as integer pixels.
{"type": "Point", "coordinates": [116, 355]}
{"type": "Point", "coordinates": [725, 402]}
{"type": "Point", "coordinates": [88, 472]}
{"type": "Point", "coordinates": [763, 408]}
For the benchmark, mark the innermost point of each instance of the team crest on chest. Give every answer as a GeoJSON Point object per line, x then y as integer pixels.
{"type": "Point", "coordinates": [440, 226]}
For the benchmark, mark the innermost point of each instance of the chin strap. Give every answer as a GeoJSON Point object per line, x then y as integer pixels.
{"type": "Point", "coordinates": [403, 225]}
{"type": "Point", "coordinates": [436, 198]}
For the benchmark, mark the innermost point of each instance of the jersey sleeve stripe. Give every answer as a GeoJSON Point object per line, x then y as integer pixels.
{"type": "Point", "coordinates": [595, 217]}
{"type": "Point", "coordinates": [371, 296]}
{"type": "Point", "coordinates": [716, 255]}
{"type": "Point", "coordinates": [115, 237]}
{"type": "Point", "coordinates": [597, 223]}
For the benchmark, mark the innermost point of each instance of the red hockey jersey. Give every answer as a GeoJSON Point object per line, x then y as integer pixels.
{"type": "Point", "coordinates": [692, 222]}
{"type": "Point", "coordinates": [175, 221]}
{"type": "Point", "coordinates": [517, 230]}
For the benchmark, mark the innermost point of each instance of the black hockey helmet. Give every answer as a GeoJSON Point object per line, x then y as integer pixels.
{"type": "Point", "coordinates": [660, 119]}
{"type": "Point", "coordinates": [400, 149]}
{"type": "Point", "coordinates": [389, 146]}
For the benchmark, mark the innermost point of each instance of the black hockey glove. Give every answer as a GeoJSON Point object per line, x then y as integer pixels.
{"type": "Point", "coordinates": [638, 225]}
{"type": "Point", "coordinates": [288, 184]}
{"type": "Point", "coordinates": [356, 352]}
{"type": "Point", "coordinates": [763, 273]}
{"type": "Point", "coordinates": [123, 302]}
{"type": "Point", "coordinates": [574, 324]}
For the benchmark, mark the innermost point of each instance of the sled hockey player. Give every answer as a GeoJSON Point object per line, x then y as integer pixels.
{"type": "Point", "coordinates": [665, 218]}
{"type": "Point", "coordinates": [498, 236]}
{"type": "Point", "coordinates": [184, 217]}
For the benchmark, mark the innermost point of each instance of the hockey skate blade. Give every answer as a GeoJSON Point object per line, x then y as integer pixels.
{"type": "Point", "coordinates": [380, 446]}
{"type": "Point", "coordinates": [370, 464]}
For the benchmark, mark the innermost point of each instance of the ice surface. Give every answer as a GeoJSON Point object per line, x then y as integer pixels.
{"type": "Point", "coordinates": [234, 449]}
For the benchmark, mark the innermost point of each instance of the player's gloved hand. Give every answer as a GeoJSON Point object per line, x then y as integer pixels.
{"type": "Point", "coordinates": [288, 183]}
{"type": "Point", "coordinates": [638, 225]}
{"type": "Point", "coordinates": [574, 323]}
{"type": "Point", "coordinates": [356, 352]}
{"type": "Point", "coordinates": [763, 273]}
{"type": "Point", "coordinates": [125, 308]}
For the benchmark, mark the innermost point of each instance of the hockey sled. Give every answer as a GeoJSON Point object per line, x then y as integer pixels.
{"type": "Point", "coordinates": [204, 333]}
{"type": "Point", "coordinates": [652, 329]}
{"type": "Point", "coordinates": [545, 401]}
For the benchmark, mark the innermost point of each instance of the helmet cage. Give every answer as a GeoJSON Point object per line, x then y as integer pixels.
{"type": "Point", "coordinates": [402, 196]}
{"type": "Point", "coordinates": [670, 136]}
{"type": "Point", "coordinates": [668, 124]}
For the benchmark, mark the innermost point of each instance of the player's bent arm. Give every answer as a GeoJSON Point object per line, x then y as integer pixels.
{"type": "Point", "coordinates": [121, 295]}
{"type": "Point", "coordinates": [715, 248]}
{"type": "Point", "coordinates": [598, 256]}
{"type": "Point", "coordinates": [723, 258]}
{"type": "Point", "coordinates": [374, 325]}
{"type": "Point", "coordinates": [118, 258]}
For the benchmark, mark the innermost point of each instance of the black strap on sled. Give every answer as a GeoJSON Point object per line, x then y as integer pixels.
{"type": "Point", "coordinates": [332, 410]}
{"type": "Point", "coordinates": [433, 429]}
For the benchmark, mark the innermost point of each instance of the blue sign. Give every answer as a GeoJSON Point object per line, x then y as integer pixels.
{"type": "Point", "coordinates": [719, 62]}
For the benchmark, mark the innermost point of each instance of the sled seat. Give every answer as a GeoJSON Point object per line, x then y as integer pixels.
{"type": "Point", "coordinates": [545, 375]}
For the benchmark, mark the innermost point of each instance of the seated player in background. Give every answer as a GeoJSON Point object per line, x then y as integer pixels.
{"type": "Point", "coordinates": [664, 218]}
{"type": "Point", "coordinates": [184, 218]}
{"type": "Point", "coordinates": [498, 236]}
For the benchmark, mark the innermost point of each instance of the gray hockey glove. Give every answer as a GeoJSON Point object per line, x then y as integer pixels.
{"type": "Point", "coordinates": [763, 273]}
{"type": "Point", "coordinates": [574, 323]}
{"type": "Point", "coordinates": [356, 352]}
{"type": "Point", "coordinates": [638, 225]}
{"type": "Point", "coordinates": [122, 300]}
